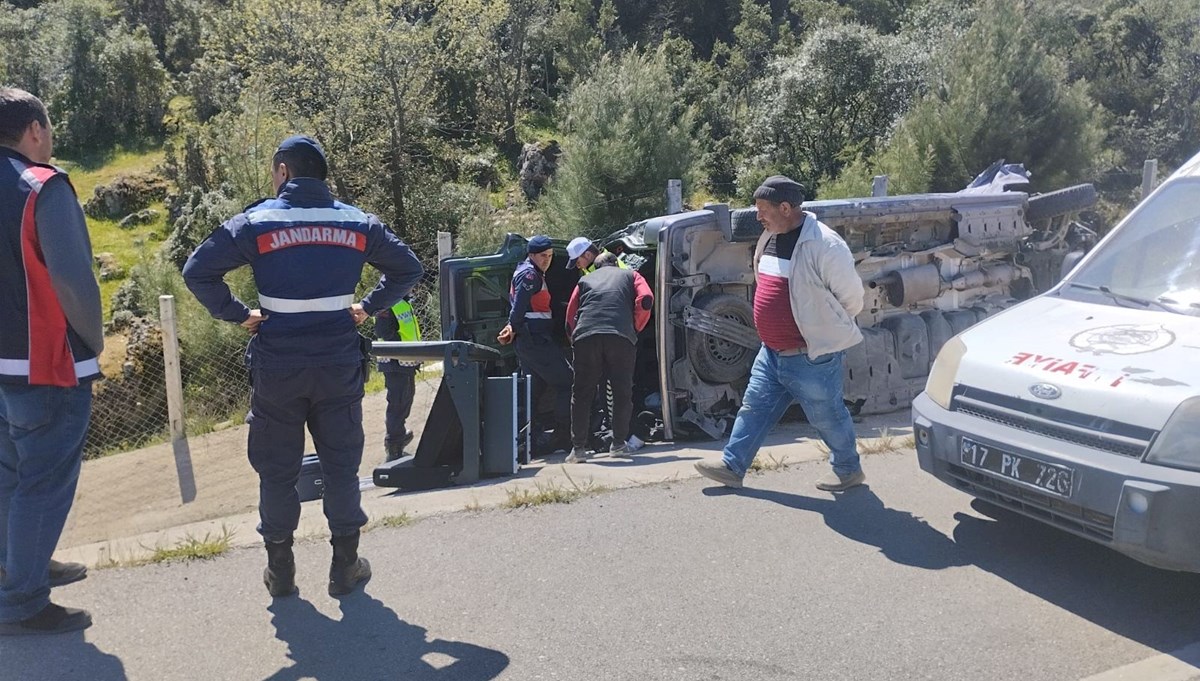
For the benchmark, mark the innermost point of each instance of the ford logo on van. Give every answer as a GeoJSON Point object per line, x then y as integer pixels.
{"type": "Point", "coordinates": [1045, 391]}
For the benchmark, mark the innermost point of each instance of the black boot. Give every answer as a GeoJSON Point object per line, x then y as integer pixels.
{"type": "Point", "coordinates": [394, 450]}
{"type": "Point", "coordinates": [280, 575]}
{"type": "Point", "coordinates": [347, 571]}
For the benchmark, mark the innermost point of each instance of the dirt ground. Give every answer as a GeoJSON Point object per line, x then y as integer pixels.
{"type": "Point", "coordinates": [135, 492]}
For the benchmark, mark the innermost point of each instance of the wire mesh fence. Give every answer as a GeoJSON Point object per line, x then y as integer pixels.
{"type": "Point", "coordinates": [130, 406]}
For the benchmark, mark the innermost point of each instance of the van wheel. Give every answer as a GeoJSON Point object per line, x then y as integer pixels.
{"type": "Point", "coordinates": [717, 360]}
{"type": "Point", "coordinates": [1060, 202]}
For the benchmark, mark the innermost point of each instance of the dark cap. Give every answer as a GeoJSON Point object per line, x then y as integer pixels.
{"type": "Point", "coordinates": [781, 189]}
{"type": "Point", "coordinates": [307, 147]}
{"type": "Point", "coordinates": [539, 243]}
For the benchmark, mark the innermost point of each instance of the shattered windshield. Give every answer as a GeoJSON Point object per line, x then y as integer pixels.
{"type": "Point", "coordinates": [1153, 261]}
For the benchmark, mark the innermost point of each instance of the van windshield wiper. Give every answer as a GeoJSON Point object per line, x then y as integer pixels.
{"type": "Point", "coordinates": [1123, 298]}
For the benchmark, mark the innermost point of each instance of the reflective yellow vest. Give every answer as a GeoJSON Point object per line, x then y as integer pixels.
{"type": "Point", "coordinates": [592, 268]}
{"type": "Point", "coordinates": [410, 330]}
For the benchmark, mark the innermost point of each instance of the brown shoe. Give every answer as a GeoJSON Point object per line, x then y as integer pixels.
{"type": "Point", "coordinates": [717, 470]}
{"type": "Point", "coordinates": [837, 483]}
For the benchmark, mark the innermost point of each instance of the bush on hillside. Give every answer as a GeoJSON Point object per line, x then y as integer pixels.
{"type": "Point", "coordinates": [626, 136]}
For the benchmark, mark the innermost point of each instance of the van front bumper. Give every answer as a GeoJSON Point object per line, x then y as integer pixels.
{"type": "Point", "coordinates": [1144, 511]}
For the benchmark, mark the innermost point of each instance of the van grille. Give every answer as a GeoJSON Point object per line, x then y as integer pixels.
{"type": "Point", "coordinates": [1051, 510]}
{"type": "Point", "coordinates": [1060, 424]}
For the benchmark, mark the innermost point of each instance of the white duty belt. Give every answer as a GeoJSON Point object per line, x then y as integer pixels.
{"type": "Point", "coordinates": [290, 305]}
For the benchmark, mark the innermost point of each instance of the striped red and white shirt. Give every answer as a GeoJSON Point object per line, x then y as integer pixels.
{"type": "Point", "coordinates": [772, 297]}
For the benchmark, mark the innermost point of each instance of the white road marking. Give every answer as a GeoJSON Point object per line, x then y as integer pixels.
{"type": "Point", "coordinates": [1179, 665]}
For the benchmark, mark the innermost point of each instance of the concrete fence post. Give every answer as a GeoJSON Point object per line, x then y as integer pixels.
{"type": "Point", "coordinates": [674, 196]}
{"type": "Point", "coordinates": [445, 246]}
{"type": "Point", "coordinates": [879, 185]}
{"type": "Point", "coordinates": [1149, 176]}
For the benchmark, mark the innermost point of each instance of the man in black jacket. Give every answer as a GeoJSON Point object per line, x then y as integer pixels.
{"type": "Point", "coordinates": [607, 310]}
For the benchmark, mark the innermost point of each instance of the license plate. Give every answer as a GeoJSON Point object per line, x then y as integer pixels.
{"type": "Point", "coordinates": [1047, 477]}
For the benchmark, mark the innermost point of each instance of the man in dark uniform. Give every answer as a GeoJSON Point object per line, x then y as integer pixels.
{"type": "Point", "coordinates": [398, 323]}
{"type": "Point", "coordinates": [531, 329]}
{"type": "Point", "coordinates": [307, 360]}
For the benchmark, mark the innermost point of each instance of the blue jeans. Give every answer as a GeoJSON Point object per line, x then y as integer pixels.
{"type": "Point", "coordinates": [775, 382]}
{"type": "Point", "coordinates": [41, 448]}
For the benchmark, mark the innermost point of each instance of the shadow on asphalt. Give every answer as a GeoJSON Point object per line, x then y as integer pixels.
{"type": "Point", "coordinates": [859, 515]}
{"type": "Point", "coordinates": [371, 642]}
{"type": "Point", "coordinates": [27, 658]}
{"type": "Point", "coordinates": [1157, 608]}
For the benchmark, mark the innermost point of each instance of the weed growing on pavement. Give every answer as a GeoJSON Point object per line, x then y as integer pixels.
{"type": "Point", "coordinates": [193, 548]}
{"type": "Point", "coordinates": [909, 442]}
{"type": "Point", "coordinates": [550, 493]}
{"type": "Point", "coordinates": [885, 443]}
{"type": "Point", "coordinates": [473, 506]}
{"type": "Point", "coordinates": [769, 462]}
{"type": "Point", "coordinates": [402, 519]}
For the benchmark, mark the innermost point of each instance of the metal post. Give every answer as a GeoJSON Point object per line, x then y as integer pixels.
{"type": "Point", "coordinates": [674, 196]}
{"type": "Point", "coordinates": [174, 385]}
{"type": "Point", "coordinates": [445, 246]}
{"type": "Point", "coordinates": [879, 185]}
{"type": "Point", "coordinates": [1149, 176]}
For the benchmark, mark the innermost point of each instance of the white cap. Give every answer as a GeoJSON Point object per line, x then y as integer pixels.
{"type": "Point", "coordinates": [576, 248]}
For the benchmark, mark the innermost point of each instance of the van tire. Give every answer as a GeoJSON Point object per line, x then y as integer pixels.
{"type": "Point", "coordinates": [1060, 202]}
{"type": "Point", "coordinates": [713, 359]}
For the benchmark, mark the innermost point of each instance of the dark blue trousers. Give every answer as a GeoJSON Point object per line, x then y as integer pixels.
{"type": "Point", "coordinates": [329, 401]}
{"type": "Point", "coordinates": [401, 384]}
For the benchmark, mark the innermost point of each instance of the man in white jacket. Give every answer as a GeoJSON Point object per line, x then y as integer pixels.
{"type": "Point", "coordinates": [806, 296]}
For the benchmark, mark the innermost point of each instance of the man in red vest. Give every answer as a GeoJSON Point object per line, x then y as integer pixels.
{"type": "Point", "coordinates": [531, 329]}
{"type": "Point", "coordinates": [49, 343]}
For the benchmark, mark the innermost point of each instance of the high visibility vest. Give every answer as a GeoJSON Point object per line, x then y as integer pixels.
{"type": "Point", "coordinates": [592, 268]}
{"type": "Point", "coordinates": [406, 320]}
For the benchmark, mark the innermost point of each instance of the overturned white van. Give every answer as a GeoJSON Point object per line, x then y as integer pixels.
{"type": "Point", "coordinates": [1081, 406]}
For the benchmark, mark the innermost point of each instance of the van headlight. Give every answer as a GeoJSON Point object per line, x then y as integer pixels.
{"type": "Point", "coordinates": [940, 386]}
{"type": "Point", "coordinates": [1178, 444]}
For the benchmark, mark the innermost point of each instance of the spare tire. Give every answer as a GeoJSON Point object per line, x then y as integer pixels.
{"type": "Point", "coordinates": [717, 360]}
{"type": "Point", "coordinates": [1061, 202]}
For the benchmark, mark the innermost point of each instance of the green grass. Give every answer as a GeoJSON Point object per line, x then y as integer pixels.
{"type": "Point", "coordinates": [188, 548]}
{"type": "Point", "coordinates": [128, 246]}
{"type": "Point", "coordinates": [194, 548]}
{"type": "Point", "coordinates": [768, 462]}
{"type": "Point", "coordinates": [402, 519]}
{"type": "Point", "coordinates": [550, 493]}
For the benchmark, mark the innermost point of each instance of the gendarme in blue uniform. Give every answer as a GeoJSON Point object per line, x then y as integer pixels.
{"type": "Point", "coordinates": [307, 252]}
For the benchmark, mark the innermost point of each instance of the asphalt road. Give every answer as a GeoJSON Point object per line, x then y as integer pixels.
{"type": "Point", "coordinates": [902, 579]}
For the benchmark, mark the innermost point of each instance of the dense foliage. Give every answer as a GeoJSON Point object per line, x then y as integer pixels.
{"type": "Point", "coordinates": [425, 106]}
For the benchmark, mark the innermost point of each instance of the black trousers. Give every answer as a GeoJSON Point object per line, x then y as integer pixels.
{"type": "Point", "coordinates": [541, 357]}
{"type": "Point", "coordinates": [329, 401]}
{"type": "Point", "coordinates": [603, 356]}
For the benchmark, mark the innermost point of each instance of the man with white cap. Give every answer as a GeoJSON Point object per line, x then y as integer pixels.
{"type": "Point", "coordinates": [583, 252]}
